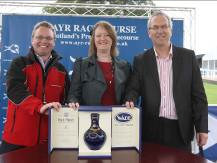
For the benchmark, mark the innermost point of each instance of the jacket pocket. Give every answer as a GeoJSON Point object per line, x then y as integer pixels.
{"type": "Point", "coordinates": [54, 92]}
{"type": "Point", "coordinates": [54, 86]}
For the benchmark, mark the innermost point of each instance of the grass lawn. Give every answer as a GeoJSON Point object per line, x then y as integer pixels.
{"type": "Point", "coordinates": [211, 92]}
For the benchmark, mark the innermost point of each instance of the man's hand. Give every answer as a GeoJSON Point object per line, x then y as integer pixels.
{"type": "Point", "coordinates": [129, 104]}
{"type": "Point", "coordinates": [52, 105]}
{"type": "Point", "coordinates": [201, 139]}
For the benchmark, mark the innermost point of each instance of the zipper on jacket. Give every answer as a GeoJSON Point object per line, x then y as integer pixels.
{"type": "Point", "coordinates": [45, 73]}
{"type": "Point", "coordinates": [43, 92]}
{"type": "Point", "coordinates": [44, 102]}
{"type": "Point", "coordinates": [43, 89]}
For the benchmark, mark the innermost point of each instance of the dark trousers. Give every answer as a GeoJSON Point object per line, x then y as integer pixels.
{"type": "Point", "coordinates": [164, 131]}
{"type": "Point", "coordinates": [7, 147]}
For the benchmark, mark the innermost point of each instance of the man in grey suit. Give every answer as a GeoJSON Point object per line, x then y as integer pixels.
{"type": "Point", "coordinates": [169, 82]}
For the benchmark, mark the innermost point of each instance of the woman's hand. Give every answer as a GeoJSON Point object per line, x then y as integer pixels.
{"type": "Point", "coordinates": [74, 105]}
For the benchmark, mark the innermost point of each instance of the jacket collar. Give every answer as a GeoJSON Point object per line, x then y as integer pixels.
{"type": "Point", "coordinates": [99, 75]}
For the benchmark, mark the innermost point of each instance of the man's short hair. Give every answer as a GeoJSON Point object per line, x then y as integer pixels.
{"type": "Point", "coordinates": [44, 24]}
{"type": "Point", "coordinates": [157, 13]}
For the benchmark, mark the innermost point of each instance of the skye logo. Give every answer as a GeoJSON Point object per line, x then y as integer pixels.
{"type": "Point", "coordinates": [123, 117]}
{"type": "Point", "coordinates": [13, 48]}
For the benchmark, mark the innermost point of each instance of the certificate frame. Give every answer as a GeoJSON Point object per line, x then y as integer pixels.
{"type": "Point", "coordinates": [126, 127]}
{"type": "Point", "coordinates": [63, 129]}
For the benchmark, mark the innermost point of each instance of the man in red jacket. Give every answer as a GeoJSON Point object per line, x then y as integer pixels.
{"type": "Point", "coordinates": [35, 83]}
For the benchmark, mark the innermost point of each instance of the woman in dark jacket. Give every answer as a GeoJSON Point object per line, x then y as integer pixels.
{"type": "Point", "coordinates": [99, 79]}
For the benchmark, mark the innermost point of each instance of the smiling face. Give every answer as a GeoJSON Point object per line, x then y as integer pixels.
{"type": "Point", "coordinates": [43, 41]}
{"type": "Point", "coordinates": [102, 40]}
{"type": "Point", "coordinates": [160, 31]}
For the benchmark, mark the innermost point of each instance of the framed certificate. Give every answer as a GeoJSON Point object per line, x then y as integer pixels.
{"type": "Point", "coordinates": [63, 129]}
{"type": "Point", "coordinates": [126, 128]}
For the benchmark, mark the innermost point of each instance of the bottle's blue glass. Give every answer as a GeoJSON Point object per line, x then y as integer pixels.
{"type": "Point", "coordinates": [94, 137]}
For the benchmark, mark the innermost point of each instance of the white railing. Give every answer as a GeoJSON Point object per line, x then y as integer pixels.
{"type": "Point", "coordinates": [209, 74]}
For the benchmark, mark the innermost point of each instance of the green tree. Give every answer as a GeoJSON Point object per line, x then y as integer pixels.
{"type": "Point", "coordinates": [96, 11]}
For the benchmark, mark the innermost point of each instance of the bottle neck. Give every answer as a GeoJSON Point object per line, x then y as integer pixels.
{"type": "Point", "coordinates": [94, 120]}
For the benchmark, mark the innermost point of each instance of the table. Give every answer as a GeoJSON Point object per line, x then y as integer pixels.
{"type": "Point", "coordinates": [151, 153]}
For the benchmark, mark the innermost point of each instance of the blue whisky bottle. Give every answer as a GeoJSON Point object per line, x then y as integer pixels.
{"type": "Point", "coordinates": [94, 137]}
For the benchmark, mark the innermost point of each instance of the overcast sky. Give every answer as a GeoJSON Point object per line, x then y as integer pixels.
{"type": "Point", "coordinates": [206, 24]}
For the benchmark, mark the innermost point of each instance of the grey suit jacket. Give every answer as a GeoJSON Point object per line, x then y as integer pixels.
{"type": "Point", "coordinates": [88, 83]}
{"type": "Point", "coordinates": [188, 91]}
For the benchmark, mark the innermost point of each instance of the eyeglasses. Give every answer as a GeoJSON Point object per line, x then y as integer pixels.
{"type": "Point", "coordinates": [156, 28]}
{"type": "Point", "coordinates": [40, 38]}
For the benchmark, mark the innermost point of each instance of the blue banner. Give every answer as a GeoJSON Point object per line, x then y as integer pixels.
{"type": "Point", "coordinates": [73, 33]}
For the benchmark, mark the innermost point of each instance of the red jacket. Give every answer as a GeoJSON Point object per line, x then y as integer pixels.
{"type": "Point", "coordinates": [28, 86]}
